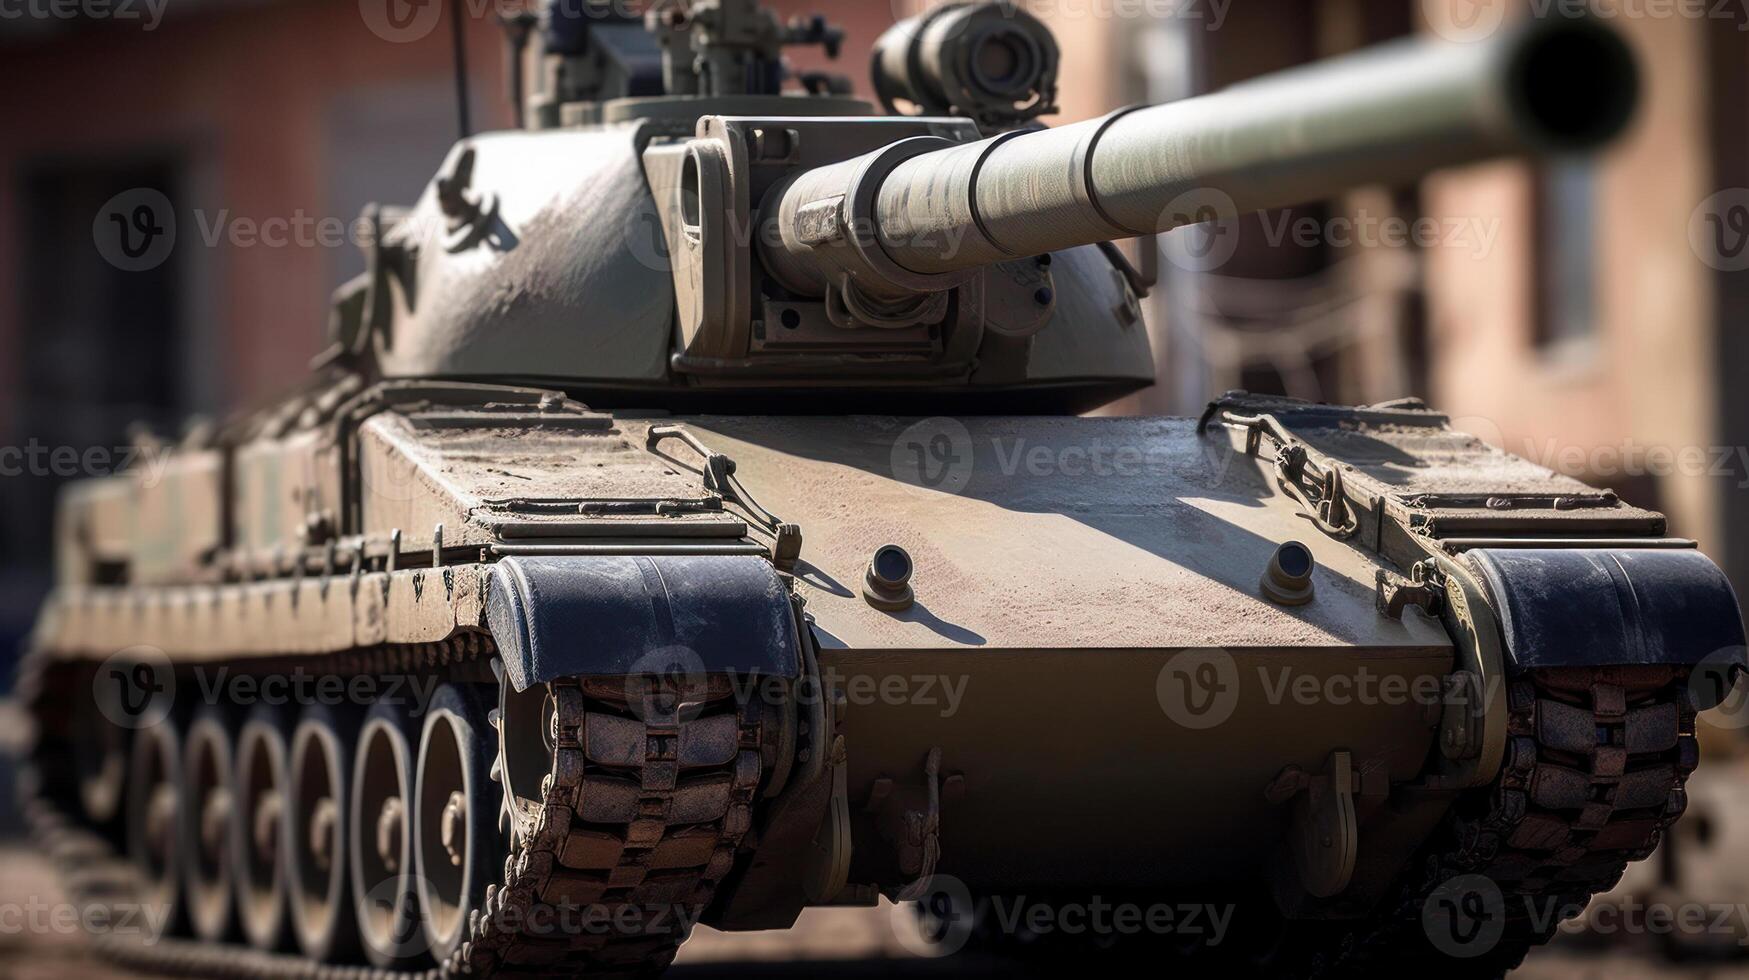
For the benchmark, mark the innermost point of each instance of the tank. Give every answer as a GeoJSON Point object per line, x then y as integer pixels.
{"type": "Point", "coordinates": [691, 521]}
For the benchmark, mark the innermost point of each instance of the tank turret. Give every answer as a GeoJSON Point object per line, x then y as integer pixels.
{"type": "Point", "coordinates": [677, 230]}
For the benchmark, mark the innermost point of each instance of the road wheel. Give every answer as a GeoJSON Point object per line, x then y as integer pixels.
{"type": "Point", "coordinates": [258, 830]}
{"type": "Point", "coordinates": [322, 750]}
{"type": "Point", "coordinates": [154, 800]}
{"type": "Point", "coordinates": [458, 850]}
{"type": "Point", "coordinates": [380, 821]}
{"type": "Point", "coordinates": [209, 769]}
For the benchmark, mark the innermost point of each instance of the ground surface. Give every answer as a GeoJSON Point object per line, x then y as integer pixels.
{"type": "Point", "coordinates": [1711, 858]}
{"type": "Point", "coordinates": [854, 943]}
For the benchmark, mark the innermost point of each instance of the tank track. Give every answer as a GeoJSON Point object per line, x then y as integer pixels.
{"type": "Point", "coordinates": [665, 851]}
{"type": "Point", "coordinates": [1596, 763]}
{"type": "Point", "coordinates": [1595, 770]}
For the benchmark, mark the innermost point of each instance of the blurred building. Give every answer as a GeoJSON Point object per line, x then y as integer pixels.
{"type": "Point", "coordinates": [264, 122]}
{"type": "Point", "coordinates": [1588, 315]}
{"type": "Point", "coordinates": [1570, 312]}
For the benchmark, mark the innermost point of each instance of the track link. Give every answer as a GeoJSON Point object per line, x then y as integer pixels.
{"type": "Point", "coordinates": [1594, 775]}
{"type": "Point", "coordinates": [648, 796]}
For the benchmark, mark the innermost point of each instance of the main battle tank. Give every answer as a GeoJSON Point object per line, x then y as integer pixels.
{"type": "Point", "coordinates": [689, 522]}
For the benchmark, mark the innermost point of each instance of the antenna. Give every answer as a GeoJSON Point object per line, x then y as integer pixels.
{"type": "Point", "coordinates": [458, 36]}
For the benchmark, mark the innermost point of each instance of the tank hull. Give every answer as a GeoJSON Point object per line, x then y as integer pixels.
{"type": "Point", "coordinates": [1089, 636]}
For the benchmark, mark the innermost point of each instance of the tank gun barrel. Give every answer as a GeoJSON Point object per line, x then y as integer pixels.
{"type": "Point", "coordinates": [924, 214]}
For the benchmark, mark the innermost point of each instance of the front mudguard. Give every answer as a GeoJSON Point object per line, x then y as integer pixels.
{"type": "Point", "coordinates": [619, 615]}
{"type": "Point", "coordinates": [1602, 607]}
